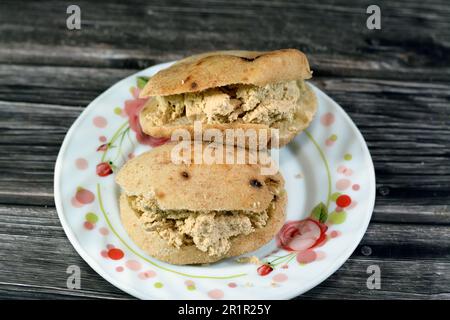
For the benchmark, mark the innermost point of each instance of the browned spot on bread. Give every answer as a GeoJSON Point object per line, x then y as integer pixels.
{"type": "Point", "coordinates": [160, 194]}
{"type": "Point", "coordinates": [185, 175]}
{"type": "Point", "coordinates": [271, 181]}
{"type": "Point", "coordinates": [250, 59]}
{"type": "Point", "coordinates": [255, 183]}
{"type": "Point", "coordinates": [193, 85]}
{"type": "Point", "coordinates": [223, 68]}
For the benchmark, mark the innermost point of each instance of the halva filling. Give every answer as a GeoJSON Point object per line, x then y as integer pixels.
{"type": "Point", "coordinates": [233, 103]}
{"type": "Point", "coordinates": [210, 231]}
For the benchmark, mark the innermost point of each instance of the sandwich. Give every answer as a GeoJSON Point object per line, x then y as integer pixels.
{"type": "Point", "coordinates": [195, 213]}
{"type": "Point", "coordinates": [232, 89]}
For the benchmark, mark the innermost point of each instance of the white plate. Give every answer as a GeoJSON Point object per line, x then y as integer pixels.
{"type": "Point", "coordinates": [328, 159]}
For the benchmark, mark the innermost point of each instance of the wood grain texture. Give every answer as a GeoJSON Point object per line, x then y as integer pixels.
{"type": "Point", "coordinates": [31, 236]}
{"type": "Point", "coordinates": [393, 82]}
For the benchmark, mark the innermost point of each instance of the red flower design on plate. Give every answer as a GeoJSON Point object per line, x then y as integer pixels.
{"type": "Point", "coordinates": [103, 147]}
{"type": "Point", "coordinates": [301, 235]}
{"type": "Point", "coordinates": [104, 169]}
{"type": "Point", "coordinates": [132, 109]}
{"type": "Point", "coordinates": [264, 270]}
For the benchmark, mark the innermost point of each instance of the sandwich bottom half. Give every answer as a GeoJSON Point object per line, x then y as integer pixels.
{"type": "Point", "coordinates": [159, 246]}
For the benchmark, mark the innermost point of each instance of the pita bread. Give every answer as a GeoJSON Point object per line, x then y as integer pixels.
{"type": "Point", "coordinates": [158, 248]}
{"type": "Point", "coordinates": [287, 130]}
{"type": "Point", "coordinates": [222, 68]}
{"type": "Point", "coordinates": [199, 187]}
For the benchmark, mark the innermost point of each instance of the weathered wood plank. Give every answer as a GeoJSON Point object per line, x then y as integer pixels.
{"type": "Point", "coordinates": [35, 267]}
{"type": "Point", "coordinates": [21, 292]}
{"type": "Point", "coordinates": [400, 279]}
{"type": "Point", "coordinates": [136, 34]}
{"type": "Point", "coordinates": [434, 211]}
{"type": "Point", "coordinates": [393, 82]}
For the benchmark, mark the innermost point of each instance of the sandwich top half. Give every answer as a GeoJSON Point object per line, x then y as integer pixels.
{"type": "Point", "coordinates": [240, 89]}
{"type": "Point", "coordinates": [199, 206]}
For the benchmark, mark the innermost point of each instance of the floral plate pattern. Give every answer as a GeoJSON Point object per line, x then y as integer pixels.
{"type": "Point", "coordinates": [330, 183]}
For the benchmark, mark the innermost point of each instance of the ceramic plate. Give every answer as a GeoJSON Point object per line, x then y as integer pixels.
{"type": "Point", "coordinates": [329, 175]}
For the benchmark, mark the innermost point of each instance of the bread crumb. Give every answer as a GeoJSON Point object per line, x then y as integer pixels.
{"type": "Point", "coordinates": [274, 284]}
{"type": "Point", "coordinates": [252, 259]}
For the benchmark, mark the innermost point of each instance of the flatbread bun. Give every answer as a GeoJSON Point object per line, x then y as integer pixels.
{"type": "Point", "coordinates": [199, 187]}
{"type": "Point", "coordinates": [222, 68]}
{"type": "Point", "coordinates": [287, 130]}
{"type": "Point", "coordinates": [158, 248]}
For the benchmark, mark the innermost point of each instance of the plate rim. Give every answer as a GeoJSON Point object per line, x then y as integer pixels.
{"type": "Point", "coordinates": [335, 266]}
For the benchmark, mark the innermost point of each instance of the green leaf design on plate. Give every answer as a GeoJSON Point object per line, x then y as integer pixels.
{"type": "Point", "coordinates": [320, 212]}
{"type": "Point", "coordinates": [141, 82]}
{"type": "Point", "coordinates": [334, 196]}
{"type": "Point", "coordinates": [338, 217]}
{"type": "Point", "coordinates": [91, 217]}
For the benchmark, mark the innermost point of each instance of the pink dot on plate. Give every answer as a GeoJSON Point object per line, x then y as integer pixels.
{"type": "Point", "coordinates": [216, 294]}
{"type": "Point", "coordinates": [335, 234]}
{"type": "Point", "coordinates": [232, 285]}
{"type": "Point", "coordinates": [320, 255]}
{"type": "Point", "coordinates": [81, 163]}
{"type": "Point", "coordinates": [104, 253]}
{"type": "Point", "coordinates": [341, 169]}
{"type": "Point", "coordinates": [356, 187]}
{"type": "Point", "coordinates": [103, 231]}
{"type": "Point", "coordinates": [348, 172]}
{"type": "Point", "coordinates": [327, 119]}
{"type": "Point", "coordinates": [343, 184]}
{"type": "Point", "coordinates": [338, 209]}
{"type": "Point", "coordinates": [100, 122]}
{"type": "Point", "coordinates": [102, 139]}
{"type": "Point", "coordinates": [329, 142]}
{"type": "Point", "coordinates": [306, 256]}
{"type": "Point", "coordinates": [84, 196]}
{"type": "Point", "coordinates": [352, 205]}
{"type": "Point", "coordinates": [281, 277]}
{"type": "Point", "coordinates": [76, 203]}
{"type": "Point", "coordinates": [88, 225]}
{"type": "Point", "coordinates": [119, 269]}
{"type": "Point", "coordinates": [146, 274]}
{"type": "Point", "coordinates": [133, 265]}
{"type": "Point", "coordinates": [189, 283]}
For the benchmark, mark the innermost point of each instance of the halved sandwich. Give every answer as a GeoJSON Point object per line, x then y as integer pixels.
{"type": "Point", "coordinates": [232, 89]}
{"type": "Point", "coordinates": [198, 213]}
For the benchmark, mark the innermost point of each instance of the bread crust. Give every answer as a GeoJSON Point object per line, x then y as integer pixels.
{"type": "Point", "coordinates": [222, 68]}
{"type": "Point", "coordinates": [158, 248]}
{"type": "Point", "coordinates": [198, 187]}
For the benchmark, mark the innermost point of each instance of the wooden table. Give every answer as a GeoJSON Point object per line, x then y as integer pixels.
{"type": "Point", "coordinates": [393, 82]}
